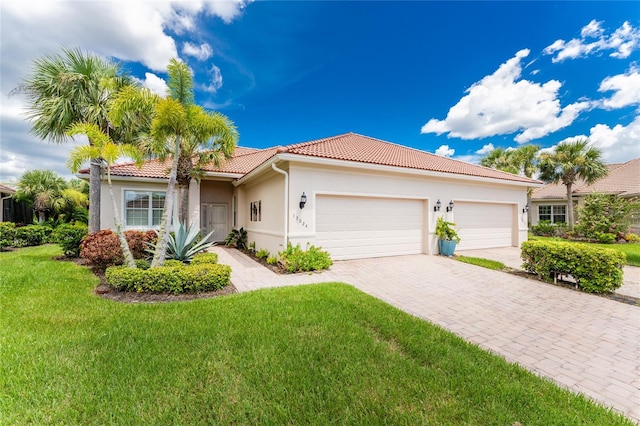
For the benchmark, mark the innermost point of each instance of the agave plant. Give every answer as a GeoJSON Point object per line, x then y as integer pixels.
{"type": "Point", "coordinates": [185, 243]}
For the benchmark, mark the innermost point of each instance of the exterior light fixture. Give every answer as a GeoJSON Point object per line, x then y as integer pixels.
{"type": "Point", "coordinates": [526, 208]}
{"type": "Point", "coordinates": [303, 200]}
{"type": "Point", "coordinates": [436, 208]}
{"type": "Point", "coordinates": [450, 208]}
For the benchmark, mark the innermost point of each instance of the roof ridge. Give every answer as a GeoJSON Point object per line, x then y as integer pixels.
{"type": "Point", "coordinates": [316, 141]}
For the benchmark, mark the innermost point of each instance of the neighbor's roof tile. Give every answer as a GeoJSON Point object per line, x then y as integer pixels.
{"type": "Point", "coordinates": [622, 179]}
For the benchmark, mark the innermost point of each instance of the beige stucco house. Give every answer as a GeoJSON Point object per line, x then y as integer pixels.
{"type": "Point", "coordinates": [550, 201]}
{"type": "Point", "coordinates": [354, 195]}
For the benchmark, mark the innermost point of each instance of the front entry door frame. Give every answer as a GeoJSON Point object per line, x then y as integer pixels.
{"type": "Point", "coordinates": [214, 218]}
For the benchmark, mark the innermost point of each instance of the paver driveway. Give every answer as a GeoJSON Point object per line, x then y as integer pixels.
{"type": "Point", "coordinates": [587, 343]}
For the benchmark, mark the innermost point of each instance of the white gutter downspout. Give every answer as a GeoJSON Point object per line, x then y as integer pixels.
{"type": "Point", "coordinates": [286, 202]}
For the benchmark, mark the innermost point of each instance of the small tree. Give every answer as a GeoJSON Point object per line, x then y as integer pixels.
{"type": "Point", "coordinates": [109, 152]}
{"type": "Point", "coordinates": [605, 214]}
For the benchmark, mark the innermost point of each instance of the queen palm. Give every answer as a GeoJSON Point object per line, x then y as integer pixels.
{"type": "Point", "coordinates": [104, 148]}
{"type": "Point", "coordinates": [569, 162]}
{"type": "Point", "coordinates": [73, 87]}
{"type": "Point", "coordinates": [180, 127]}
{"type": "Point", "coordinates": [500, 159]}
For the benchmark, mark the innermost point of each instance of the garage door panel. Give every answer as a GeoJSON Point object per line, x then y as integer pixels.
{"type": "Point", "coordinates": [358, 227]}
{"type": "Point", "coordinates": [484, 225]}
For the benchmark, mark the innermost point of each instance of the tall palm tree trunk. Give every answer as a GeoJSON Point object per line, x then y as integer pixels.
{"type": "Point", "coordinates": [184, 204]}
{"type": "Point", "coordinates": [94, 195]}
{"type": "Point", "coordinates": [126, 251]}
{"type": "Point", "coordinates": [163, 236]}
{"type": "Point", "coordinates": [569, 206]}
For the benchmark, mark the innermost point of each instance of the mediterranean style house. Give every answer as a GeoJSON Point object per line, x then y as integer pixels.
{"type": "Point", "coordinates": [550, 201]}
{"type": "Point", "coordinates": [353, 195]}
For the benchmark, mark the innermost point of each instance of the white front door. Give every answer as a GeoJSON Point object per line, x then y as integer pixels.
{"type": "Point", "coordinates": [214, 219]}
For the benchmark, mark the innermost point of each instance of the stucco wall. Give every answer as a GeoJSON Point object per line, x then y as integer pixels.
{"type": "Point", "coordinates": [106, 206]}
{"type": "Point", "coordinates": [268, 233]}
{"type": "Point", "coordinates": [314, 180]}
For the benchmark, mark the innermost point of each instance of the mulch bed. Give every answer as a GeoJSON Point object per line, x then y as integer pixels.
{"type": "Point", "coordinates": [105, 291]}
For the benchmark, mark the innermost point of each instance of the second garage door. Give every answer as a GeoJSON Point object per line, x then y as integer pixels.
{"type": "Point", "coordinates": [360, 227]}
{"type": "Point", "coordinates": [484, 225]}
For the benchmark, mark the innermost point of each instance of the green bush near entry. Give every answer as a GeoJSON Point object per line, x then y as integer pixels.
{"type": "Point", "coordinates": [174, 277]}
{"type": "Point", "coordinates": [200, 258]}
{"type": "Point", "coordinates": [596, 270]}
{"type": "Point", "coordinates": [294, 259]}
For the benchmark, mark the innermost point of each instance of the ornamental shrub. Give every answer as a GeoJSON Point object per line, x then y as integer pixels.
{"type": "Point", "coordinates": [70, 237]}
{"type": "Point", "coordinates": [262, 254]}
{"type": "Point", "coordinates": [596, 270]}
{"type": "Point", "coordinates": [205, 257]}
{"type": "Point", "coordinates": [294, 259]}
{"type": "Point", "coordinates": [174, 277]}
{"type": "Point", "coordinates": [7, 234]}
{"type": "Point", "coordinates": [605, 214]}
{"type": "Point", "coordinates": [545, 228]}
{"type": "Point", "coordinates": [101, 249]}
{"type": "Point", "coordinates": [31, 235]}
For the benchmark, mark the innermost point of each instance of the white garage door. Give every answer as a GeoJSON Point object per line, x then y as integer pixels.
{"type": "Point", "coordinates": [483, 225]}
{"type": "Point", "coordinates": [359, 227]}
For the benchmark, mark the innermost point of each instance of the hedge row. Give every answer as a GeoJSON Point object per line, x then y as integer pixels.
{"type": "Point", "coordinates": [175, 277]}
{"type": "Point", "coordinates": [596, 270]}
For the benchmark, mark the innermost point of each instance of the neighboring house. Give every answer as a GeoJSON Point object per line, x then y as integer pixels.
{"type": "Point", "coordinates": [11, 210]}
{"type": "Point", "coordinates": [550, 201]}
{"type": "Point", "coordinates": [363, 197]}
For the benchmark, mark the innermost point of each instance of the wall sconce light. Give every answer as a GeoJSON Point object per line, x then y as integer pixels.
{"type": "Point", "coordinates": [450, 208]}
{"type": "Point", "coordinates": [526, 208]}
{"type": "Point", "coordinates": [436, 208]}
{"type": "Point", "coordinates": [303, 200]}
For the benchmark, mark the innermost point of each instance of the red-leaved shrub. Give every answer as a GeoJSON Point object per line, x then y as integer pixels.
{"type": "Point", "coordinates": [101, 249]}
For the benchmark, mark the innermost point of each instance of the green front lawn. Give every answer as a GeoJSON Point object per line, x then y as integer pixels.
{"type": "Point", "coordinates": [632, 250]}
{"type": "Point", "coordinates": [320, 354]}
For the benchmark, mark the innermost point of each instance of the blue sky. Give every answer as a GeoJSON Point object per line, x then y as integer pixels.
{"type": "Point", "coordinates": [453, 78]}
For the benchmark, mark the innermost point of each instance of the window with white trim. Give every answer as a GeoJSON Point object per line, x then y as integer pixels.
{"type": "Point", "coordinates": [143, 208]}
{"type": "Point", "coordinates": [255, 211]}
{"type": "Point", "coordinates": [554, 214]}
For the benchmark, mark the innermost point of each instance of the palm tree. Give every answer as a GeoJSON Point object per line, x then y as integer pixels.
{"type": "Point", "coordinates": [104, 148]}
{"type": "Point", "coordinates": [569, 162]}
{"type": "Point", "coordinates": [211, 144]}
{"type": "Point", "coordinates": [500, 159]}
{"type": "Point", "coordinates": [43, 190]}
{"type": "Point", "coordinates": [179, 130]}
{"type": "Point", "coordinates": [73, 87]}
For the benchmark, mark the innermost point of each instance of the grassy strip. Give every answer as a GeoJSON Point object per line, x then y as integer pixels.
{"type": "Point", "coordinates": [320, 354]}
{"type": "Point", "coordinates": [479, 261]}
{"type": "Point", "coordinates": [632, 250]}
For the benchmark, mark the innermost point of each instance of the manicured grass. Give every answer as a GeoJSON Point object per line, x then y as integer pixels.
{"type": "Point", "coordinates": [479, 261]}
{"type": "Point", "coordinates": [632, 250]}
{"type": "Point", "coordinates": [321, 354]}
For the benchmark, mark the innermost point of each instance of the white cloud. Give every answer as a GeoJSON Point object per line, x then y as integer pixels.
{"type": "Point", "coordinates": [618, 143]}
{"type": "Point", "coordinates": [154, 83]}
{"type": "Point", "coordinates": [201, 52]}
{"type": "Point", "coordinates": [215, 80]}
{"type": "Point", "coordinates": [135, 31]}
{"type": "Point", "coordinates": [503, 103]}
{"type": "Point", "coordinates": [626, 87]}
{"type": "Point", "coordinates": [486, 149]}
{"type": "Point", "coordinates": [445, 151]}
{"type": "Point", "coordinates": [593, 39]}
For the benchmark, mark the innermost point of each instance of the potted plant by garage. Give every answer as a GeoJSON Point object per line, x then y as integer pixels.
{"type": "Point", "coordinates": [447, 237]}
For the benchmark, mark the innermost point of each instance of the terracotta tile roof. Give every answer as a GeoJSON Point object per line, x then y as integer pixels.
{"type": "Point", "coordinates": [363, 149]}
{"type": "Point", "coordinates": [7, 190]}
{"type": "Point", "coordinates": [622, 179]}
{"type": "Point", "coordinates": [243, 161]}
{"type": "Point", "coordinates": [347, 147]}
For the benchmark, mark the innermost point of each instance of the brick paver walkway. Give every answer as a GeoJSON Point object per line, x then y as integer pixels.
{"type": "Point", "coordinates": [584, 342]}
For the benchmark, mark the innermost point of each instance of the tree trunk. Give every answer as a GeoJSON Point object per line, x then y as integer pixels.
{"type": "Point", "coordinates": [569, 207]}
{"type": "Point", "coordinates": [94, 195]}
{"type": "Point", "coordinates": [41, 216]}
{"type": "Point", "coordinates": [529, 192]}
{"type": "Point", "coordinates": [126, 251]}
{"type": "Point", "coordinates": [184, 205]}
{"type": "Point", "coordinates": [163, 236]}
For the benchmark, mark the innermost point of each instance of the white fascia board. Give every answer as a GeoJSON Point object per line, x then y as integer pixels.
{"type": "Point", "coordinates": [258, 170]}
{"type": "Point", "coordinates": [222, 176]}
{"type": "Point", "coordinates": [395, 169]}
